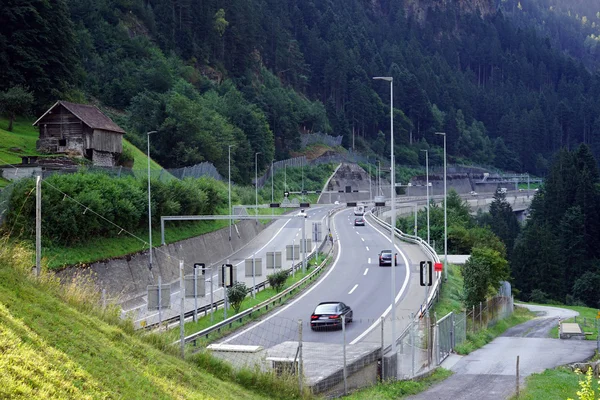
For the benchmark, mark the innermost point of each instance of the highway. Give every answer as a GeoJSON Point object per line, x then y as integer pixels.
{"type": "Point", "coordinates": [275, 238]}
{"type": "Point", "coordinates": [355, 278]}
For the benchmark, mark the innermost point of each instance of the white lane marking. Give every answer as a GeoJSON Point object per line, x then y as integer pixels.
{"type": "Point", "coordinates": [353, 289]}
{"type": "Point", "coordinates": [368, 250]}
{"type": "Point", "coordinates": [400, 293]}
{"type": "Point", "coordinates": [274, 236]}
{"type": "Point", "coordinates": [357, 233]}
{"type": "Point", "coordinates": [369, 258]}
{"type": "Point", "coordinates": [293, 302]}
{"type": "Point", "coordinates": [363, 239]}
{"type": "Point", "coordinates": [366, 270]}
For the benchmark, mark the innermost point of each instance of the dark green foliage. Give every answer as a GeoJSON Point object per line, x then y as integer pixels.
{"type": "Point", "coordinates": [37, 48]}
{"type": "Point", "coordinates": [482, 274]}
{"type": "Point", "coordinates": [558, 245]}
{"type": "Point", "coordinates": [277, 279]}
{"type": "Point", "coordinates": [15, 101]}
{"type": "Point", "coordinates": [587, 288]}
{"type": "Point", "coordinates": [236, 295]}
{"type": "Point", "coordinates": [504, 221]}
{"type": "Point", "coordinates": [99, 205]}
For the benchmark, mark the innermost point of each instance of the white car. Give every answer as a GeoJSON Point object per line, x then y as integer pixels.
{"type": "Point", "coordinates": [302, 213]}
{"type": "Point", "coordinates": [473, 193]}
{"type": "Point", "coordinates": [337, 202]}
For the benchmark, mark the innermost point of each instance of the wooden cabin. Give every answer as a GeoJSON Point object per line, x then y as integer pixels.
{"type": "Point", "coordinates": [80, 130]}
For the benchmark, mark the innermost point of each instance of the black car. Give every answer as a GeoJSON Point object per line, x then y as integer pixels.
{"type": "Point", "coordinates": [385, 258]}
{"type": "Point", "coordinates": [359, 222]}
{"type": "Point", "coordinates": [329, 314]}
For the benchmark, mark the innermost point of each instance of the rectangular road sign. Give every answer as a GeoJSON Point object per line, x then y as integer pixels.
{"type": "Point", "coordinates": [426, 273]}
{"type": "Point", "coordinates": [316, 232]}
{"type": "Point", "coordinates": [295, 251]}
{"type": "Point", "coordinates": [257, 267]}
{"type": "Point", "coordinates": [165, 294]}
{"type": "Point", "coordinates": [189, 286]}
{"type": "Point", "coordinates": [273, 259]}
{"type": "Point", "coordinates": [307, 246]}
{"type": "Point", "coordinates": [227, 275]}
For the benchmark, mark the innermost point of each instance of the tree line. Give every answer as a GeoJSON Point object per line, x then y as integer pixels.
{"type": "Point", "coordinates": [256, 73]}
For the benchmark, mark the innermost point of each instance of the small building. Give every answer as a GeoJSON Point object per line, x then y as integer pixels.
{"type": "Point", "coordinates": [80, 130]}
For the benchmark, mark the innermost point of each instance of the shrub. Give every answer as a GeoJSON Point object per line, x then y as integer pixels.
{"type": "Point", "coordinates": [126, 157]}
{"type": "Point", "coordinates": [277, 280]}
{"type": "Point", "coordinates": [236, 295]}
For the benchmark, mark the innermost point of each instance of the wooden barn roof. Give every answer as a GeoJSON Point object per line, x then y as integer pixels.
{"type": "Point", "coordinates": [89, 115]}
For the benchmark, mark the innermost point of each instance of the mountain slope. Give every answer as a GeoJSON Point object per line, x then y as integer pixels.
{"type": "Point", "coordinates": [53, 349]}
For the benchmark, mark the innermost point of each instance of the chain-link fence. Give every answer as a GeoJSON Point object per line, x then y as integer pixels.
{"type": "Point", "coordinates": [318, 137]}
{"type": "Point", "coordinates": [5, 194]}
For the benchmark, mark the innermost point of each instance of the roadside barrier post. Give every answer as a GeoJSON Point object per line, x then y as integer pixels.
{"type": "Point", "coordinates": [517, 377]}
{"type": "Point", "coordinates": [182, 311]}
{"type": "Point", "coordinates": [300, 355]}
{"type": "Point", "coordinates": [344, 351]}
{"type": "Point", "coordinates": [382, 347]}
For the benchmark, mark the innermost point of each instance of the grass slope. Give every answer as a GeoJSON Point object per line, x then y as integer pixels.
{"type": "Point", "coordinates": [54, 346]}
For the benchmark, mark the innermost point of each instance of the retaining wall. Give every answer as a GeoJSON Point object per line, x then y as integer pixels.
{"type": "Point", "coordinates": [127, 277]}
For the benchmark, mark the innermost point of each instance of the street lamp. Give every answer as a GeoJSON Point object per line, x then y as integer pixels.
{"type": "Point", "coordinates": [256, 183]}
{"type": "Point", "coordinates": [393, 216]}
{"type": "Point", "coordinates": [427, 182]}
{"type": "Point", "coordinates": [149, 203]}
{"type": "Point", "coordinates": [378, 177]}
{"type": "Point", "coordinates": [229, 163]}
{"type": "Point", "coordinates": [272, 181]}
{"type": "Point", "coordinates": [445, 212]}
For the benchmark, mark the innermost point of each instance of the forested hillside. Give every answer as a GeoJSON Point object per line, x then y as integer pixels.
{"type": "Point", "coordinates": [256, 73]}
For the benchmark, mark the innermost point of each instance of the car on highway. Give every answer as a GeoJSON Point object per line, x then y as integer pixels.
{"type": "Point", "coordinates": [328, 314]}
{"type": "Point", "coordinates": [302, 213]}
{"type": "Point", "coordinates": [359, 221]}
{"type": "Point", "coordinates": [473, 193]}
{"type": "Point", "coordinates": [385, 258]}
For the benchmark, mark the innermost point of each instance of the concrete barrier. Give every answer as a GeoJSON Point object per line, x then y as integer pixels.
{"type": "Point", "coordinates": [127, 277]}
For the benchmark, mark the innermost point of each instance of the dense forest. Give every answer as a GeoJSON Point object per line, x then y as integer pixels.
{"type": "Point", "coordinates": [256, 73]}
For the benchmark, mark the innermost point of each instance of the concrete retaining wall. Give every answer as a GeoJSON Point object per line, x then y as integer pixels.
{"type": "Point", "coordinates": [127, 277]}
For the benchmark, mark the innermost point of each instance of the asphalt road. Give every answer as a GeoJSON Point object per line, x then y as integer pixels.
{"type": "Point", "coordinates": [355, 278]}
{"type": "Point", "coordinates": [490, 372]}
{"type": "Point", "coordinates": [276, 237]}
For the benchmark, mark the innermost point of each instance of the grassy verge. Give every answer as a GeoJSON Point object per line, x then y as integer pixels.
{"type": "Point", "coordinates": [478, 339]}
{"type": "Point", "coordinates": [554, 384]}
{"type": "Point", "coordinates": [105, 248]}
{"type": "Point", "coordinates": [19, 142]}
{"type": "Point", "coordinates": [586, 319]}
{"type": "Point", "coordinates": [400, 389]}
{"type": "Point", "coordinates": [205, 320]}
{"type": "Point", "coordinates": [56, 344]}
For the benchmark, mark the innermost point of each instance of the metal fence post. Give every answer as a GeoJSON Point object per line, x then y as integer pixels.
{"type": "Point", "coordinates": [344, 351]}
{"type": "Point", "coordinates": [480, 323]}
{"type": "Point", "coordinates": [473, 317]}
{"type": "Point", "coordinates": [452, 333]}
{"type": "Point", "coordinates": [412, 342]}
{"type": "Point", "coordinates": [300, 355]}
{"type": "Point", "coordinates": [382, 347]}
{"type": "Point", "coordinates": [182, 310]}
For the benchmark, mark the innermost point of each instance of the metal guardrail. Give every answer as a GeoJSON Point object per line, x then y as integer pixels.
{"type": "Point", "coordinates": [265, 304]}
{"type": "Point", "coordinates": [261, 285]}
{"type": "Point", "coordinates": [428, 250]}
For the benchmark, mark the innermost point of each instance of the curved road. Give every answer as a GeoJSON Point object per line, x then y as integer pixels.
{"type": "Point", "coordinates": [489, 373]}
{"type": "Point", "coordinates": [355, 278]}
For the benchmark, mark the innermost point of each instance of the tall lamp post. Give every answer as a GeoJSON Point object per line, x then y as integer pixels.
{"type": "Point", "coordinates": [445, 212]}
{"type": "Point", "coordinates": [256, 183]}
{"type": "Point", "coordinates": [378, 177]}
{"type": "Point", "coordinates": [229, 164]}
{"type": "Point", "coordinates": [427, 183]}
{"type": "Point", "coordinates": [393, 216]}
{"type": "Point", "coordinates": [149, 203]}
{"type": "Point", "coordinates": [272, 196]}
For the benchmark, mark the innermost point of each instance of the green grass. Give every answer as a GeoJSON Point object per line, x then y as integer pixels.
{"type": "Point", "coordinates": [56, 344]}
{"type": "Point", "coordinates": [552, 384]}
{"type": "Point", "coordinates": [104, 248]}
{"type": "Point", "coordinates": [400, 389]}
{"type": "Point", "coordinates": [451, 293]}
{"type": "Point", "coordinates": [584, 312]}
{"type": "Point", "coordinates": [19, 142]}
{"type": "Point", "coordinates": [482, 337]}
{"type": "Point", "coordinates": [140, 160]}
{"type": "Point", "coordinates": [204, 321]}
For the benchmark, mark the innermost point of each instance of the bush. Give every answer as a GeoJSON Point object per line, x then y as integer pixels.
{"type": "Point", "coordinates": [277, 280]}
{"type": "Point", "coordinates": [236, 295]}
{"type": "Point", "coordinates": [126, 158]}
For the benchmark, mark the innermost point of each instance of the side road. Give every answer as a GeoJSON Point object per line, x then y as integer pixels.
{"type": "Point", "coordinates": [490, 372]}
